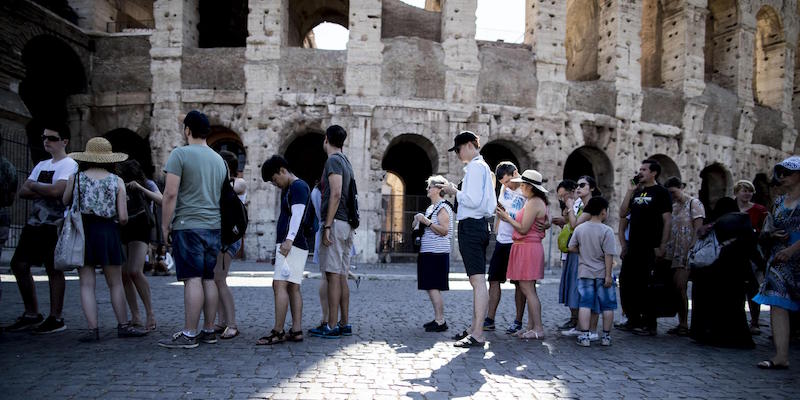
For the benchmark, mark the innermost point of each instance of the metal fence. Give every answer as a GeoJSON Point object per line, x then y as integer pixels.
{"type": "Point", "coordinates": [395, 237]}
{"type": "Point", "coordinates": [15, 149]}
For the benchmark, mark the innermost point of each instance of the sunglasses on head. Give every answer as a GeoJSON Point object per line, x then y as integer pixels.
{"type": "Point", "coordinates": [51, 138]}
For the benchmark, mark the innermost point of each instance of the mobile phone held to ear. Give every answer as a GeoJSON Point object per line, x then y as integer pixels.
{"type": "Point", "coordinates": [635, 180]}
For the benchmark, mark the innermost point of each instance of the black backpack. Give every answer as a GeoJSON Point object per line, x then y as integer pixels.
{"type": "Point", "coordinates": [233, 214]}
{"type": "Point", "coordinates": [353, 218]}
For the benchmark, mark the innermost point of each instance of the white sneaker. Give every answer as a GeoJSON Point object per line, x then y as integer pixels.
{"type": "Point", "coordinates": [583, 340]}
{"type": "Point", "coordinates": [571, 332]}
{"type": "Point", "coordinates": [593, 336]}
{"type": "Point", "coordinates": [606, 340]}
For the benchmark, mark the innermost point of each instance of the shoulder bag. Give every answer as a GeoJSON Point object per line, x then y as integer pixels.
{"type": "Point", "coordinates": [69, 251]}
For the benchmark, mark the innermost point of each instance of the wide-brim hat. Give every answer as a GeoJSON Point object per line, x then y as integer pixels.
{"type": "Point", "coordinates": [98, 151]}
{"type": "Point", "coordinates": [531, 177]}
{"type": "Point", "coordinates": [463, 138]}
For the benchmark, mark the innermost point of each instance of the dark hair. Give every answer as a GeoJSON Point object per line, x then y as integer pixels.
{"type": "Point", "coordinates": [130, 170]}
{"type": "Point", "coordinates": [596, 205]}
{"type": "Point", "coordinates": [232, 160]}
{"type": "Point", "coordinates": [538, 193]}
{"type": "Point", "coordinates": [198, 124]}
{"type": "Point", "coordinates": [110, 167]}
{"type": "Point", "coordinates": [273, 166]}
{"type": "Point", "coordinates": [592, 185]}
{"type": "Point", "coordinates": [654, 166]}
{"type": "Point", "coordinates": [60, 127]}
{"type": "Point", "coordinates": [336, 136]}
{"type": "Point", "coordinates": [567, 184]}
{"type": "Point", "coordinates": [504, 168]}
{"type": "Point", "coordinates": [673, 182]}
{"type": "Point", "coordinates": [724, 206]}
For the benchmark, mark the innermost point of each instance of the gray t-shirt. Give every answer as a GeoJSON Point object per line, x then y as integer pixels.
{"type": "Point", "coordinates": [337, 164]}
{"type": "Point", "coordinates": [202, 172]}
{"type": "Point", "coordinates": [595, 241]}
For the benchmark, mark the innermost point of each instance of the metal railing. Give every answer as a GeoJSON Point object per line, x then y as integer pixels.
{"type": "Point", "coordinates": [395, 235]}
{"type": "Point", "coordinates": [15, 149]}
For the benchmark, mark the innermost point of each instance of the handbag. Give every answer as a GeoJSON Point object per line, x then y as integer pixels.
{"type": "Point", "coordinates": [416, 234]}
{"type": "Point", "coordinates": [69, 251]}
{"type": "Point", "coordinates": [704, 252]}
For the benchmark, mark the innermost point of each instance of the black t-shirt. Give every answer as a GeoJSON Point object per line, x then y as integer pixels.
{"type": "Point", "coordinates": [296, 193]}
{"type": "Point", "coordinates": [647, 207]}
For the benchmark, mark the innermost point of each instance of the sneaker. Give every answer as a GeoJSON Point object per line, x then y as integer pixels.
{"type": "Point", "coordinates": [583, 340]}
{"type": "Point", "coordinates": [179, 341]}
{"type": "Point", "coordinates": [328, 333]}
{"type": "Point", "coordinates": [436, 327]}
{"type": "Point", "coordinates": [571, 332]}
{"type": "Point", "coordinates": [128, 331]}
{"type": "Point", "coordinates": [488, 324]}
{"type": "Point", "coordinates": [571, 323]}
{"type": "Point", "coordinates": [593, 336]}
{"type": "Point", "coordinates": [92, 335]}
{"type": "Point", "coordinates": [605, 340]}
{"type": "Point", "coordinates": [207, 337]}
{"type": "Point", "coordinates": [515, 327]}
{"type": "Point", "coordinates": [24, 322]}
{"type": "Point", "coordinates": [318, 330]}
{"type": "Point", "coordinates": [429, 324]}
{"type": "Point", "coordinates": [50, 325]}
{"type": "Point", "coordinates": [346, 330]}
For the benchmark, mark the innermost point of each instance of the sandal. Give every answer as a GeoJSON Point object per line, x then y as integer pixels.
{"type": "Point", "coordinates": [273, 338]}
{"type": "Point", "coordinates": [468, 342]}
{"type": "Point", "coordinates": [460, 336]}
{"type": "Point", "coordinates": [218, 329]}
{"type": "Point", "coordinates": [532, 334]}
{"type": "Point", "coordinates": [229, 333]}
{"type": "Point", "coordinates": [293, 336]}
{"type": "Point", "coordinates": [768, 364]}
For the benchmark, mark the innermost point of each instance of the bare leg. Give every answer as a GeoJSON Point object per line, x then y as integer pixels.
{"type": "Point", "coordinates": [133, 277]}
{"type": "Point", "coordinates": [296, 305]}
{"type": "Point", "coordinates": [193, 299]}
{"type": "Point", "coordinates": [534, 306]}
{"type": "Point", "coordinates": [608, 320]}
{"type": "Point", "coordinates": [519, 302]}
{"type": "Point", "coordinates": [88, 300]}
{"type": "Point", "coordinates": [780, 334]}
{"type": "Point", "coordinates": [227, 310]}
{"type": "Point", "coordinates": [755, 312]}
{"type": "Point", "coordinates": [323, 298]}
{"type": "Point", "coordinates": [210, 304]}
{"type": "Point", "coordinates": [113, 275]}
{"type": "Point", "coordinates": [27, 290]}
{"type": "Point", "coordinates": [57, 285]}
{"type": "Point", "coordinates": [593, 321]}
{"type": "Point", "coordinates": [480, 302]}
{"type": "Point", "coordinates": [334, 297]}
{"type": "Point", "coordinates": [217, 278]}
{"type": "Point", "coordinates": [281, 303]}
{"type": "Point", "coordinates": [438, 304]}
{"type": "Point", "coordinates": [130, 289]}
{"type": "Point", "coordinates": [584, 317]}
{"type": "Point", "coordinates": [494, 299]}
{"type": "Point", "coordinates": [681, 279]}
{"type": "Point", "coordinates": [344, 306]}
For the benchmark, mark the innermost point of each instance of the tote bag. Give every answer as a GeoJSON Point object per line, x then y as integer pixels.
{"type": "Point", "coordinates": [71, 243]}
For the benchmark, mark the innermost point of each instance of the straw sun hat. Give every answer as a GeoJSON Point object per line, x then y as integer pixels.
{"type": "Point", "coordinates": [98, 151]}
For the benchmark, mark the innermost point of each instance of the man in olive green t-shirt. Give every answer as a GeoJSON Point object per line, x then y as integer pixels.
{"type": "Point", "coordinates": [195, 175]}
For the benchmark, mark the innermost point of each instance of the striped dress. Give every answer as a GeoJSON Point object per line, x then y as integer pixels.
{"type": "Point", "coordinates": [431, 242]}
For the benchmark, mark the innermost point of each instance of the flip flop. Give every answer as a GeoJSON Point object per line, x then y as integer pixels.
{"type": "Point", "coordinates": [768, 364]}
{"type": "Point", "coordinates": [226, 334]}
{"type": "Point", "coordinates": [531, 334]}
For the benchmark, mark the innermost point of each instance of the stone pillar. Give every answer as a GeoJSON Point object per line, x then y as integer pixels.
{"type": "Point", "coordinates": [683, 59]}
{"type": "Point", "coordinates": [619, 53]}
{"type": "Point", "coordinates": [362, 75]}
{"type": "Point", "coordinates": [746, 39]}
{"type": "Point", "coordinates": [787, 113]}
{"type": "Point", "coordinates": [545, 23]}
{"type": "Point", "coordinates": [460, 51]}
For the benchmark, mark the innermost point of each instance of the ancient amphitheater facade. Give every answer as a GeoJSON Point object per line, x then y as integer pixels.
{"type": "Point", "coordinates": [705, 86]}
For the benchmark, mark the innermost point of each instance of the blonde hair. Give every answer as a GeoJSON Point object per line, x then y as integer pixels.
{"type": "Point", "coordinates": [743, 184]}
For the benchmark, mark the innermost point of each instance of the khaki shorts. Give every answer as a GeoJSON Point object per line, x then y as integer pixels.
{"type": "Point", "coordinates": [296, 262]}
{"type": "Point", "coordinates": [336, 257]}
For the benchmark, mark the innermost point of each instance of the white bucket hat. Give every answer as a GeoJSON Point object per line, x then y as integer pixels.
{"type": "Point", "coordinates": [531, 177]}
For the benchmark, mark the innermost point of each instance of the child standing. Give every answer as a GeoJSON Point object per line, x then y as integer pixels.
{"type": "Point", "coordinates": [596, 245]}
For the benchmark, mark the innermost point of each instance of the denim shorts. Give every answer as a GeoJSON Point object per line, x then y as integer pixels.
{"type": "Point", "coordinates": [234, 248]}
{"type": "Point", "coordinates": [596, 296]}
{"type": "Point", "coordinates": [195, 252]}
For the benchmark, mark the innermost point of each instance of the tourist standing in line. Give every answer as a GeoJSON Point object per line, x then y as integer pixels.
{"type": "Point", "coordinates": [102, 202]}
{"type": "Point", "coordinates": [565, 191]}
{"type": "Point", "coordinates": [322, 291]}
{"type": "Point", "coordinates": [650, 210]}
{"type": "Point", "coordinates": [142, 193]}
{"type": "Point", "coordinates": [526, 258]}
{"type": "Point", "coordinates": [45, 186]}
{"type": "Point", "coordinates": [512, 200]}
{"type": "Point", "coordinates": [8, 192]}
{"type": "Point", "coordinates": [744, 191]}
{"type": "Point", "coordinates": [337, 234]}
{"type": "Point", "coordinates": [227, 327]}
{"type": "Point", "coordinates": [291, 250]}
{"type": "Point", "coordinates": [191, 219]}
{"type": "Point", "coordinates": [433, 261]}
{"type": "Point", "coordinates": [476, 204]}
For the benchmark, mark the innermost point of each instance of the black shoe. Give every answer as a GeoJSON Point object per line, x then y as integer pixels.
{"type": "Point", "coordinates": [91, 335]}
{"type": "Point", "coordinates": [436, 327]}
{"type": "Point", "coordinates": [50, 325]}
{"type": "Point", "coordinates": [23, 323]}
{"type": "Point", "coordinates": [571, 323]}
{"type": "Point", "coordinates": [429, 324]}
{"type": "Point", "coordinates": [207, 337]}
{"type": "Point", "coordinates": [460, 336]}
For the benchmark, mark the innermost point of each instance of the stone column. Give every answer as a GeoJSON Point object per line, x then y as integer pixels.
{"type": "Point", "coordinates": [460, 51]}
{"type": "Point", "coordinates": [746, 41]}
{"type": "Point", "coordinates": [787, 113]}
{"type": "Point", "coordinates": [545, 23]}
{"type": "Point", "coordinates": [362, 75]}
{"type": "Point", "coordinates": [619, 52]}
{"type": "Point", "coordinates": [683, 59]}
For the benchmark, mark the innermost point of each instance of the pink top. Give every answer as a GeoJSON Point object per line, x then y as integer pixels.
{"type": "Point", "coordinates": [533, 235]}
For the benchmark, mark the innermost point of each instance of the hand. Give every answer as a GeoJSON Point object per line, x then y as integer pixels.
{"type": "Point", "coordinates": [559, 221]}
{"type": "Point", "coordinates": [286, 246]}
{"type": "Point", "coordinates": [132, 185]}
{"type": "Point", "coordinates": [780, 235]}
{"type": "Point", "coordinates": [326, 237]}
{"type": "Point", "coordinates": [608, 282]}
{"type": "Point", "coordinates": [450, 188]}
{"type": "Point", "coordinates": [418, 217]}
{"type": "Point", "coordinates": [783, 255]}
{"type": "Point", "coordinates": [502, 214]}
{"type": "Point", "coordinates": [570, 202]}
{"type": "Point", "coordinates": [660, 251]}
{"type": "Point", "coordinates": [166, 232]}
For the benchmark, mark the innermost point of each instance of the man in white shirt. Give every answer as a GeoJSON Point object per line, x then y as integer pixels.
{"type": "Point", "coordinates": [476, 204]}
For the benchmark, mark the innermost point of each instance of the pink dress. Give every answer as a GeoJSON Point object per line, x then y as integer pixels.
{"type": "Point", "coordinates": [526, 260]}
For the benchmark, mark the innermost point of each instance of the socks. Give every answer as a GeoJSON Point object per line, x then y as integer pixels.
{"type": "Point", "coordinates": [190, 333]}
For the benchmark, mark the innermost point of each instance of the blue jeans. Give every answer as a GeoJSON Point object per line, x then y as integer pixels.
{"type": "Point", "coordinates": [195, 252]}
{"type": "Point", "coordinates": [596, 296]}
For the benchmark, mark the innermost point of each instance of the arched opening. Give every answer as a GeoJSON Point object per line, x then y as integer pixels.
{"type": "Point", "coordinates": [582, 40]}
{"type": "Point", "coordinates": [306, 157]}
{"type": "Point", "coordinates": [652, 42]}
{"type": "Point", "coordinates": [305, 15]}
{"type": "Point", "coordinates": [222, 138]}
{"type": "Point", "coordinates": [136, 147]}
{"type": "Point", "coordinates": [408, 162]}
{"type": "Point", "coordinates": [716, 184]}
{"type": "Point", "coordinates": [222, 23]}
{"type": "Point", "coordinates": [500, 20]}
{"type": "Point", "coordinates": [722, 23]}
{"type": "Point", "coordinates": [668, 167]}
{"type": "Point", "coordinates": [770, 53]}
{"type": "Point", "coordinates": [53, 72]}
{"type": "Point", "coordinates": [327, 36]}
{"type": "Point", "coordinates": [593, 162]}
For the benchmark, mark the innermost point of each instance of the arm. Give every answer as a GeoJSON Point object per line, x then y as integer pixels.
{"type": "Point", "coordinates": [665, 233]}
{"type": "Point", "coordinates": [55, 190]}
{"type": "Point", "coordinates": [443, 227]}
{"type": "Point", "coordinates": [154, 196]}
{"type": "Point", "coordinates": [335, 183]}
{"type": "Point", "coordinates": [122, 202]}
{"type": "Point", "coordinates": [294, 227]}
{"type": "Point", "coordinates": [574, 249]}
{"type": "Point", "coordinates": [66, 198]}
{"type": "Point", "coordinates": [624, 206]}
{"type": "Point", "coordinates": [169, 201]}
{"type": "Point", "coordinates": [25, 192]}
{"type": "Point", "coordinates": [609, 264]}
{"type": "Point", "coordinates": [531, 212]}
{"type": "Point", "coordinates": [623, 244]}
{"type": "Point", "coordinates": [471, 192]}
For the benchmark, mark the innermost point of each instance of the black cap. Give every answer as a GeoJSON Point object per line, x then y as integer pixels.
{"type": "Point", "coordinates": [198, 123]}
{"type": "Point", "coordinates": [462, 138]}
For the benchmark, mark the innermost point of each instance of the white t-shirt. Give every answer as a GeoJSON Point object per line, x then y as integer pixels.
{"type": "Point", "coordinates": [512, 201]}
{"type": "Point", "coordinates": [47, 211]}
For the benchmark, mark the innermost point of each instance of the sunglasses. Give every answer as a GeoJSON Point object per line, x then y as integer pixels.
{"type": "Point", "coordinates": [51, 138]}
{"type": "Point", "coordinates": [783, 172]}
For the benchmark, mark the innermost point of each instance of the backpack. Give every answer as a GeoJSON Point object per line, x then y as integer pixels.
{"type": "Point", "coordinates": [353, 217]}
{"type": "Point", "coordinates": [309, 224]}
{"type": "Point", "coordinates": [233, 214]}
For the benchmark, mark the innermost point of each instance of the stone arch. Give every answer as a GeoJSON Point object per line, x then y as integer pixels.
{"type": "Point", "coordinates": [223, 138]}
{"type": "Point", "coordinates": [652, 42]}
{"type": "Point", "coordinates": [413, 158]}
{"type": "Point", "coordinates": [135, 146]}
{"type": "Point", "coordinates": [304, 15]}
{"type": "Point", "coordinates": [716, 183]}
{"type": "Point", "coordinates": [588, 160]}
{"type": "Point", "coordinates": [668, 167]}
{"type": "Point", "coordinates": [722, 25]}
{"type": "Point", "coordinates": [222, 23]}
{"type": "Point", "coordinates": [499, 150]}
{"type": "Point", "coordinates": [769, 57]}
{"type": "Point", "coordinates": [53, 72]}
{"type": "Point", "coordinates": [582, 40]}
{"type": "Point", "coordinates": [306, 155]}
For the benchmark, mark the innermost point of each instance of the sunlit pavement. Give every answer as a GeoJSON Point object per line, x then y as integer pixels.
{"type": "Point", "coordinates": [389, 355]}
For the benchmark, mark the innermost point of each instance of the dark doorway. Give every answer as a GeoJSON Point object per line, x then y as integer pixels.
{"type": "Point", "coordinates": [222, 138]}
{"type": "Point", "coordinates": [593, 162]}
{"type": "Point", "coordinates": [306, 157]}
{"type": "Point", "coordinates": [716, 184]}
{"type": "Point", "coordinates": [222, 23]}
{"type": "Point", "coordinates": [496, 152]}
{"type": "Point", "coordinates": [668, 168]}
{"type": "Point", "coordinates": [136, 147]}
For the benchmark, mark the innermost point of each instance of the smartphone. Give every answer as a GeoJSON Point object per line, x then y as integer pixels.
{"type": "Point", "coordinates": [500, 206]}
{"type": "Point", "coordinates": [635, 180]}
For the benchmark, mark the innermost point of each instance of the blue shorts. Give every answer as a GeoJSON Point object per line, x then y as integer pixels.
{"type": "Point", "coordinates": [195, 252]}
{"type": "Point", "coordinates": [233, 249]}
{"type": "Point", "coordinates": [596, 296]}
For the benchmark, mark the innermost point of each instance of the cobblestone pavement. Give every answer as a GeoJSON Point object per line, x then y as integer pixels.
{"type": "Point", "coordinates": [389, 355]}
